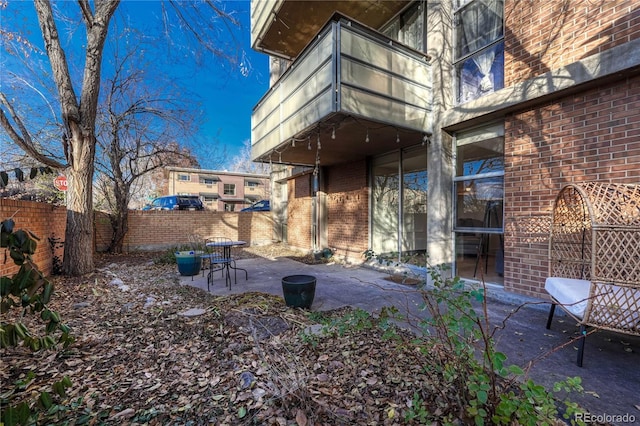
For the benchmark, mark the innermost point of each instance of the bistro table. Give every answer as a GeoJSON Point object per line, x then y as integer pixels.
{"type": "Point", "coordinates": [224, 258]}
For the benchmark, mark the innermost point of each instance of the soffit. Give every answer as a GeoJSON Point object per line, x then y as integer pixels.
{"type": "Point", "coordinates": [298, 22]}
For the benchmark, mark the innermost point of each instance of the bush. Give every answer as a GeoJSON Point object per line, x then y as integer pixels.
{"type": "Point", "coordinates": [27, 292]}
{"type": "Point", "coordinates": [475, 384]}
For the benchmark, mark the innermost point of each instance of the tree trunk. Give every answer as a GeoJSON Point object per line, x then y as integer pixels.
{"type": "Point", "coordinates": [79, 118]}
{"type": "Point", "coordinates": [119, 225]}
{"type": "Point", "coordinates": [78, 242]}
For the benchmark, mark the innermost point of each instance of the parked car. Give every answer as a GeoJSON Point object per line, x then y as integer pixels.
{"type": "Point", "coordinates": [258, 206]}
{"type": "Point", "coordinates": [176, 202]}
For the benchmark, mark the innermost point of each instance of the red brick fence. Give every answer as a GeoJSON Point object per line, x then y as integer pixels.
{"type": "Point", "coordinates": [148, 230]}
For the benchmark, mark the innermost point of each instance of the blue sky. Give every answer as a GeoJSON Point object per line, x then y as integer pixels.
{"type": "Point", "coordinates": [227, 94]}
{"type": "Point", "coordinates": [233, 96]}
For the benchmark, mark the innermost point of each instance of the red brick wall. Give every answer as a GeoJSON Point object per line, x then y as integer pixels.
{"type": "Point", "coordinates": [299, 212]}
{"type": "Point", "coordinates": [541, 36]}
{"type": "Point", "coordinates": [45, 221]}
{"type": "Point", "coordinates": [594, 135]}
{"type": "Point", "coordinates": [157, 230]}
{"type": "Point", "coordinates": [148, 230]}
{"type": "Point", "coordinates": [348, 209]}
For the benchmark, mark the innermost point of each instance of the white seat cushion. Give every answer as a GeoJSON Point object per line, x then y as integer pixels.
{"type": "Point", "coordinates": [621, 305]}
{"type": "Point", "coordinates": [571, 293]}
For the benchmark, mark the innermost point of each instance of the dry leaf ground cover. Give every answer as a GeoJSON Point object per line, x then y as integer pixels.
{"type": "Point", "coordinates": [246, 359]}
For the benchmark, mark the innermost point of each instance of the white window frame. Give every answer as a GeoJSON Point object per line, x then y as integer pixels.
{"type": "Point", "coordinates": [227, 187]}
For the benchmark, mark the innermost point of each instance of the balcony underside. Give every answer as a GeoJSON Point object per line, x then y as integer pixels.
{"type": "Point", "coordinates": [351, 81]}
{"type": "Point", "coordinates": [349, 144]}
{"type": "Point", "coordinates": [285, 27]}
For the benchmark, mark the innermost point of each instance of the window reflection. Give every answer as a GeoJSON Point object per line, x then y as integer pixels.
{"type": "Point", "coordinates": [481, 73]}
{"type": "Point", "coordinates": [399, 204]}
{"type": "Point", "coordinates": [479, 48]}
{"type": "Point", "coordinates": [408, 28]}
{"type": "Point", "coordinates": [485, 156]}
{"type": "Point", "coordinates": [479, 203]}
{"type": "Point", "coordinates": [479, 195]}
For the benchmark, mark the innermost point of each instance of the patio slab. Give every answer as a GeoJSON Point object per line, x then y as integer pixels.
{"type": "Point", "coordinates": [610, 373]}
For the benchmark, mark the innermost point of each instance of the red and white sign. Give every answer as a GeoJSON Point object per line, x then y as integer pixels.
{"type": "Point", "coordinates": [60, 183]}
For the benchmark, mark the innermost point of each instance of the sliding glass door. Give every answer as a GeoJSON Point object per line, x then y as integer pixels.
{"type": "Point", "coordinates": [385, 200]}
{"type": "Point", "coordinates": [414, 201]}
{"type": "Point", "coordinates": [399, 203]}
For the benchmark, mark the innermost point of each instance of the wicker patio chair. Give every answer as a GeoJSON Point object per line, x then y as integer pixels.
{"type": "Point", "coordinates": [594, 257]}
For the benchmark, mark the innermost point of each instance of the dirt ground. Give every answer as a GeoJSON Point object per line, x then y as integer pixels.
{"type": "Point", "coordinates": [246, 359]}
{"type": "Point", "coordinates": [150, 351]}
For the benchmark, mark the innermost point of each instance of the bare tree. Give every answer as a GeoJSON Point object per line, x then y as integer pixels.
{"type": "Point", "coordinates": [242, 162]}
{"type": "Point", "coordinates": [78, 105]}
{"type": "Point", "coordinates": [139, 124]}
{"type": "Point", "coordinates": [78, 120]}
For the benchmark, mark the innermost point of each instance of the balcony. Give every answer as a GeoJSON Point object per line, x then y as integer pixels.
{"type": "Point", "coordinates": [284, 27]}
{"type": "Point", "coordinates": [352, 92]}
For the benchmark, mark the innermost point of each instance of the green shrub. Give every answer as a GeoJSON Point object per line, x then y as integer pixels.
{"type": "Point", "coordinates": [476, 384]}
{"type": "Point", "coordinates": [168, 257]}
{"type": "Point", "coordinates": [27, 292]}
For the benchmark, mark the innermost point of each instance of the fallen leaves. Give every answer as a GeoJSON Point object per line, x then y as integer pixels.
{"type": "Point", "coordinates": [138, 358]}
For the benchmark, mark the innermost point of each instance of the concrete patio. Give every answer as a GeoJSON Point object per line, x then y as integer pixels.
{"type": "Point", "coordinates": [610, 374]}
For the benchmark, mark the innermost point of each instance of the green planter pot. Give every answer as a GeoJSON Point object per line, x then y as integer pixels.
{"type": "Point", "coordinates": [189, 262]}
{"type": "Point", "coordinates": [299, 290]}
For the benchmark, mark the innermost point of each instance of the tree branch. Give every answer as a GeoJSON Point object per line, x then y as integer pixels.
{"type": "Point", "coordinates": [58, 60]}
{"type": "Point", "coordinates": [85, 7]}
{"type": "Point", "coordinates": [24, 142]}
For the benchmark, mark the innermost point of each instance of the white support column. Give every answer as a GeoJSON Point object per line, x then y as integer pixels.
{"type": "Point", "coordinates": [439, 153]}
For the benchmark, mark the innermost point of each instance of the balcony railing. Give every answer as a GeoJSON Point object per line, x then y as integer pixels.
{"type": "Point", "coordinates": [349, 70]}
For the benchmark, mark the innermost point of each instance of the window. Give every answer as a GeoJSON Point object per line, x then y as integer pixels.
{"type": "Point", "coordinates": [408, 27]}
{"type": "Point", "coordinates": [184, 177]}
{"type": "Point", "coordinates": [252, 184]}
{"type": "Point", "coordinates": [479, 195]}
{"type": "Point", "coordinates": [479, 48]}
{"type": "Point", "coordinates": [209, 181]}
{"type": "Point", "coordinates": [230, 189]}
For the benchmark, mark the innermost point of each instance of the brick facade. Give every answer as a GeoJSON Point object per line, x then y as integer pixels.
{"type": "Point", "coordinates": [218, 190]}
{"type": "Point", "coordinates": [593, 135]}
{"type": "Point", "coordinates": [588, 135]}
{"type": "Point", "coordinates": [541, 36]}
{"type": "Point", "coordinates": [348, 209]}
{"type": "Point", "coordinates": [46, 221]}
{"type": "Point", "coordinates": [347, 212]}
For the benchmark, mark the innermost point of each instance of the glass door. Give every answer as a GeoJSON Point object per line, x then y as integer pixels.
{"type": "Point", "coordinates": [399, 204]}
{"type": "Point", "coordinates": [414, 202]}
{"type": "Point", "coordinates": [385, 202]}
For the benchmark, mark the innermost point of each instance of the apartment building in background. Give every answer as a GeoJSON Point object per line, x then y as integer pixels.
{"type": "Point", "coordinates": [445, 127]}
{"type": "Point", "coordinates": [218, 190]}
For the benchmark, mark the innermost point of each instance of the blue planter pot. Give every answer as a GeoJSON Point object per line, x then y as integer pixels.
{"type": "Point", "coordinates": [189, 262]}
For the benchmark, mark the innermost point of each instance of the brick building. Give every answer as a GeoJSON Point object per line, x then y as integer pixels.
{"type": "Point", "coordinates": [219, 191]}
{"type": "Point", "coordinates": [446, 127]}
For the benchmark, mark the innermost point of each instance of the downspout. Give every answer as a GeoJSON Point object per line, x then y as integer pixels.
{"type": "Point", "coordinates": [400, 211]}
{"type": "Point", "coordinates": [314, 212]}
